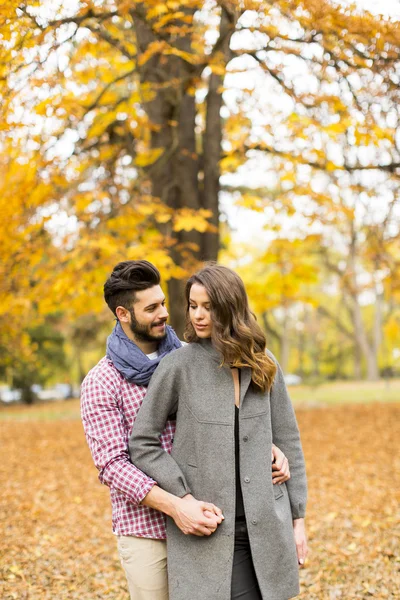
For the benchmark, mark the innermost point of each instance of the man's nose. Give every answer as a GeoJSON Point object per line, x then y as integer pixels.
{"type": "Point", "coordinates": [164, 313]}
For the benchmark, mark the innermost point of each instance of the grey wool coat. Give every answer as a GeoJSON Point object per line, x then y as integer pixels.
{"type": "Point", "coordinates": [191, 383]}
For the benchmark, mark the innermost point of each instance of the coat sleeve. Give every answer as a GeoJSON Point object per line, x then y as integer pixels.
{"type": "Point", "coordinates": [145, 449]}
{"type": "Point", "coordinates": [285, 434]}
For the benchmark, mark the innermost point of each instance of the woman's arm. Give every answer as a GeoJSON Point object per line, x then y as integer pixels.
{"type": "Point", "coordinates": [145, 449]}
{"type": "Point", "coordinates": [285, 434]}
{"type": "Point", "coordinates": [192, 516]}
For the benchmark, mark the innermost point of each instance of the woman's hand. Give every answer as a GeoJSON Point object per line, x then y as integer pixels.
{"type": "Point", "coordinates": [300, 538]}
{"type": "Point", "coordinates": [280, 466]}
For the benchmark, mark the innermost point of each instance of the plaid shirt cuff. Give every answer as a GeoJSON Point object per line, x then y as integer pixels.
{"type": "Point", "coordinates": [144, 490]}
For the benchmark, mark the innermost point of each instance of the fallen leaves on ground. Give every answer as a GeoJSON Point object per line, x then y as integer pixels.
{"type": "Point", "coordinates": [57, 544]}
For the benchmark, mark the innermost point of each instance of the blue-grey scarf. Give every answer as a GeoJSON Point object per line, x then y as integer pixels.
{"type": "Point", "coordinates": [130, 361]}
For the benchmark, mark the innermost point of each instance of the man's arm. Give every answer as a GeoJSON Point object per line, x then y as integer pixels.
{"type": "Point", "coordinates": [106, 436]}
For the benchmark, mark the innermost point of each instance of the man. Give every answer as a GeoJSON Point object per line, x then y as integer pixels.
{"type": "Point", "coordinates": [112, 394]}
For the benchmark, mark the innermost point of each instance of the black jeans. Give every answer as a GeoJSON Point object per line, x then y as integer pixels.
{"type": "Point", "coordinates": [244, 581]}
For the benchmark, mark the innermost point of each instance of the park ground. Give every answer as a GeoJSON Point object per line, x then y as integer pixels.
{"type": "Point", "coordinates": [56, 541]}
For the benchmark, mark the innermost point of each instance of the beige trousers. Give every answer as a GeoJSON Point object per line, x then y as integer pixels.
{"type": "Point", "coordinates": [145, 564]}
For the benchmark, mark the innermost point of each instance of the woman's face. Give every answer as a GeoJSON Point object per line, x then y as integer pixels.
{"type": "Point", "coordinates": [200, 310]}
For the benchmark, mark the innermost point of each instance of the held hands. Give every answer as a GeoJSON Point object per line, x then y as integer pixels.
{"type": "Point", "coordinates": [280, 466]}
{"type": "Point", "coordinates": [195, 517]}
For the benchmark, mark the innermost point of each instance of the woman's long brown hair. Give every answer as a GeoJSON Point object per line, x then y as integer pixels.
{"type": "Point", "coordinates": [235, 332]}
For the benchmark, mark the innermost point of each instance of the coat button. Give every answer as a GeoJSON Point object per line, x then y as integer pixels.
{"type": "Point", "coordinates": [254, 521]}
{"type": "Point", "coordinates": [246, 438]}
{"type": "Point", "coordinates": [247, 479]}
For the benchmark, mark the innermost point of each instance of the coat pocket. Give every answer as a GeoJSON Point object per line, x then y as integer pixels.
{"type": "Point", "coordinates": [278, 491]}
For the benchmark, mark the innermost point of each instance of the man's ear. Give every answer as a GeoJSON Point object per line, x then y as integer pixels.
{"type": "Point", "coordinates": [122, 314]}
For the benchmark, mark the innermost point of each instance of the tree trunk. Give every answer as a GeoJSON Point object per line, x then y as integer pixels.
{"type": "Point", "coordinates": [315, 356]}
{"type": "Point", "coordinates": [301, 342]}
{"type": "Point", "coordinates": [284, 355]}
{"type": "Point", "coordinates": [357, 362]}
{"type": "Point", "coordinates": [271, 333]}
{"type": "Point", "coordinates": [79, 364]}
{"type": "Point", "coordinates": [377, 339]}
{"type": "Point", "coordinates": [180, 178]}
{"type": "Point", "coordinates": [176, 306]}
{"type": "Point", "coordinates": [212, 141]}
{"type": "Point", "coordinates": [27, 396]}
{"type": "Point", "coordinates": [361, 336]}
{"type": "Point", "coordinates": [359, 328]}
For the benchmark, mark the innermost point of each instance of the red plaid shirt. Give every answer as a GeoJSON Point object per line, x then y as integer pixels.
{"type": "Point", "coordinates": [109, 405]}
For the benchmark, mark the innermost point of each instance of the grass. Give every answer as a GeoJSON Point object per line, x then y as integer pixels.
{"type": "Point", "coordinates": [43, 411]}
{"type": "Point", "coordinates": [346, 392]}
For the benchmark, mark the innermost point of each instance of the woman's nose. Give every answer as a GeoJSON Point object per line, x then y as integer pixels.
{"type": "Point", "coordinates": [199, 313]}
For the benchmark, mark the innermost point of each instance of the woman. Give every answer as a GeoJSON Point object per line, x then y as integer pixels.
{"type": "Point", "coordinates": [231, 403]}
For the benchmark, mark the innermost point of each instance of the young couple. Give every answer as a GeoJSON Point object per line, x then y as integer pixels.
{"type": "Point", "coordinates": [200, 448]}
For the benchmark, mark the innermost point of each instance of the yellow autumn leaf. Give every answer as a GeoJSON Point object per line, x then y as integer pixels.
{"type": "Point", "coordinates": [392, 329]}
{"type": "Point", "coordinates": [331, 166]}
{"type": "Point", "coordinates": [231, 162]}
{"type": "Point", "coordinates": [251, 202]}
{"type": "Point", "coordinates": [153, 48]}
{"type": "Point", "coordinates": [218, 69]}
{"type": "Point", "coordinates": [187, 219]}
{"type": "Point", "coordinates": [289, 176]}
{"type": "Point", "coordinates": [16, 570]}
{"type": "Point", "coordinates": [159, 9]}
{"type": "Point", "coordinates": [193, 59]}
{"type": "Point", "coordinates": [163, 217]}
{"type": "Point", "coordinates": [100, 124]}
{"type": "Point", "coordinates": [148, 157]}
{"type": "Point", "coordinates": [179, 15]}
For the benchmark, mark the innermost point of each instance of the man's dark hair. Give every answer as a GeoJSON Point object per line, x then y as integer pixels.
{"type": "Point", "coordinates": [127, 278]}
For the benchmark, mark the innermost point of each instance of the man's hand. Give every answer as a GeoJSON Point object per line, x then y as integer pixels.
{"type": "Point", "coordinates": [190, 515]}
{"type": "Point", "coordinates": [300, 538]}
{"type": "Point", "coordinates": [194, 517]}
{"type": "Point", "coordinates": [280, 466]}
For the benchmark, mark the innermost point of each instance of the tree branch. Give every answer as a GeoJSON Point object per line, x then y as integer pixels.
{"type": "Point", "coordinates": [107, 87]}
{"type": "Point", "coordinates": [322, 166]}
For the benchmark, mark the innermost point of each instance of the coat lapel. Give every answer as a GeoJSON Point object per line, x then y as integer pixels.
{"type": "Point", "coordinates": [245, 380]}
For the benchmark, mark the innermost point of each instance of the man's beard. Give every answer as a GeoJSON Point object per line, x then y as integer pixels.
{"type": "Point", "coordinates": [143, 333]}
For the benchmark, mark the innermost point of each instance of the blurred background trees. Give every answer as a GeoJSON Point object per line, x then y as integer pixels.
{"type": "Point", "coordinates": [261, 134]}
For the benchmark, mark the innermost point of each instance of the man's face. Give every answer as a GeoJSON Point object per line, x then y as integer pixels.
{"type": "Point", "coordinates": [148, 316]}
